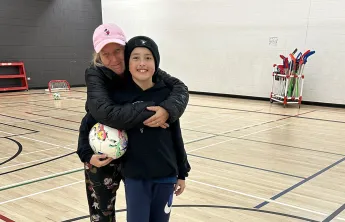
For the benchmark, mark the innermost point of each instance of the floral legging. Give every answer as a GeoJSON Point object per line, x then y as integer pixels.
{"type": "Point", "coordinates": [101, 186]}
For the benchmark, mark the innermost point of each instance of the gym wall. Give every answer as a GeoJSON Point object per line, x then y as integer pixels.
{"type": "Point", "coordinates": [52, 37]}
{"type": "Point", "coordinates": [223, 46]}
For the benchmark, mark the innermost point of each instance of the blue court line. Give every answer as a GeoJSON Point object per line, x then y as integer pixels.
{"type": "Point", "coordinates": [242, 165]}
{"type": "Point", "coordinates": [299, 184]}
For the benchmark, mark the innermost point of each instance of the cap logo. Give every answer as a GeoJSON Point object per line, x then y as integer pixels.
{"type": "Point", "coordinates": [107, 32]}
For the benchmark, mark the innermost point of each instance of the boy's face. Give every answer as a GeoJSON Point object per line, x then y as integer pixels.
{"type": "Point", "coordinates": [112, 56]}
{"type": "Point", "coordinates": [142, 64]}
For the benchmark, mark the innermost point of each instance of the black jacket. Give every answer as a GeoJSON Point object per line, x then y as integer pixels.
{"type": "Point", "coordinates": [101, 80]}
{"type": "Point", "coordinates": [101, 83]}
{"type": "Point", "coordinates": [152, 152]}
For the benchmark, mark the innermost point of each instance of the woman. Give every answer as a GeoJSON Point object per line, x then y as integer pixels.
{"type": "Point", "coordinates": [102, 77]}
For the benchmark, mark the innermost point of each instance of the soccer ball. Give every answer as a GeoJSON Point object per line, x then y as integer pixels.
{"type": "Point", "coordinates": [56, 96]}
{"type": "Point", "coordinates": [106, 140]}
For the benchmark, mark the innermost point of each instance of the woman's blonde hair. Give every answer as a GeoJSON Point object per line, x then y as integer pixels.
{"type": "Point", "coordinates": [96, 60]}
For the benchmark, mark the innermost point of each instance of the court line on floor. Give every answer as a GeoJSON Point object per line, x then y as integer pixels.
{"type": "Point", "coordinates": [218, 122]}
{"type": "Point", "coordinates": [50, 159]}
{"type": "Point", "coordinates": [246, 166]}
{"type": "Point", "coordinates": [20, 121]}
{"type": "Point", "coordinates": [21, 134]}
{"type": "Point", "coordinates": [225, 141]}
{"type": "Point", "coordinates": [213, 117]}
{"type": "Point", "coordinates": [54, 108]}
{"type": "Point", "coordinates": [31, 120]}
{"type": "Point", "coordinates": [12, 134]}
{"type": "Point", "coordinates": [19, 150]}
{"type": "Point", "coordinates": [40, 141]}
{"type": "Point", "coordinates": [260, 198]}
{"type": "Point", "coordinates": [71, 107]}
{"type": "Point", "coordinates": [6, 219]}
{"type": "Point", "coordinates": [195, 140]}
{"type": "Point", "coordinates": [43, 191]}
{"type": "Point", "coordinates": [47, 161]}
{"type": "Point", "coordinates": [299, 184]}
{"type": "Point", "coordinates": [283, 192]}
{"type": "Point", "coordinates": [23, 94]}
{"type": "Point", "coordinates": [50, 176]}
{"type": "Point", "coordinates": [251, 126]}
{"type": "Point", "coordinates": [245, 135]}
{"type": "Point", "coordinates": [27, 120]}
{"type": "Point", "coordinates": [189, 180]}
{"type": "Point", "coordinates": [54, 117]}
{"type": "Point", "coordinates": [18, 127]}
{"type": "Point", "coordinates": [214, 207]}
{"type": "Point", "coordinates": [334, 214]}
{"type": "Point", "coordinates": [255, 132]}
{"type": "Point", "coordinates": [238, 129]}
{"type": "Point", "coordinates": [45, 124]}
{"type": "Point", "coordinates": [225, 132]}
{"type": "Point", "coordinates": [40, 151]}
{"type": "Point", "coordinates": [259, 141]}
{"type": "Point", "coordinates": [193, 121]}
{"type": "Point", "coordinates": [33, 161]}
{"type": "Point", "coordinates": [276, 114]}
{"type": "Point", "coordinates": [25, 102]}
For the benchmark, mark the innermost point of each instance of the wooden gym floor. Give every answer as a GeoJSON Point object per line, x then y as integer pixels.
{"type": "Point", "coordinates": [251, 160]}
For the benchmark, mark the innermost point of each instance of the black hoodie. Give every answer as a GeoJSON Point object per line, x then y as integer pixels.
{"type": "Point", "coordinates": [153, 152]}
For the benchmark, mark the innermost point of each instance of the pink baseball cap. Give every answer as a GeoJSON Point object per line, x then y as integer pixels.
{"type": "Point", "coordinates": [107, 33]}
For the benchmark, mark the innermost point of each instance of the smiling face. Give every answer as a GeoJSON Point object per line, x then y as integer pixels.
{"type": "Point", "coordinates": [142, 66]}
{"type": "Point", "coordinates": [112, 57]}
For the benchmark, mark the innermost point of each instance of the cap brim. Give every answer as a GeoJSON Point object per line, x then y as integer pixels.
{"type": "Point", "coordinates": [100, 46]}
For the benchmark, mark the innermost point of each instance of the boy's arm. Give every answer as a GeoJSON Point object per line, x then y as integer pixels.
{"type": "Point", "coordinates": [181, 155]}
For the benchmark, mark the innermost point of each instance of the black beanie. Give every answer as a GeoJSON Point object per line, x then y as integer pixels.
{"type": "Point", "coordinates": [142, 41]}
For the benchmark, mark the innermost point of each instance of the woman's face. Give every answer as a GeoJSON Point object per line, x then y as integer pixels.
{"type": "Point", "coordinates": [112, 57]}
{"type": "Point", "coordinates": [142, 64]}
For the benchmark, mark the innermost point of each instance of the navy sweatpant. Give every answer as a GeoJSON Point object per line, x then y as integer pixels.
{"type": "Point", "coordinates": [148, 201]}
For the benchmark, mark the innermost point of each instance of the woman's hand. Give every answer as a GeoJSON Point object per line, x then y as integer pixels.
{"type": "Point", "coordinates": [180, 186]}
{"type": "Point", "coordinates": [159, 119]}
{"type": "Point", "coordinates": [97, 161]}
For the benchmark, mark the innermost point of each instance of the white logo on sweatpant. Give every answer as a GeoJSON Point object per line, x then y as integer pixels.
{"type": "Point", "coordinates": [167, 209]}
{"type": "Point", "coordinates": [168, 206]}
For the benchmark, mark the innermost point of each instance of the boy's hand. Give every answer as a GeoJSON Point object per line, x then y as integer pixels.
{"type": "Point", "coordinates": [180, 186]}
{"type": "Point", "coordinates": [99, 160]}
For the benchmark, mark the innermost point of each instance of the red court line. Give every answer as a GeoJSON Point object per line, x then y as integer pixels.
{"type": "Point", "coordinates": [2, 217]}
